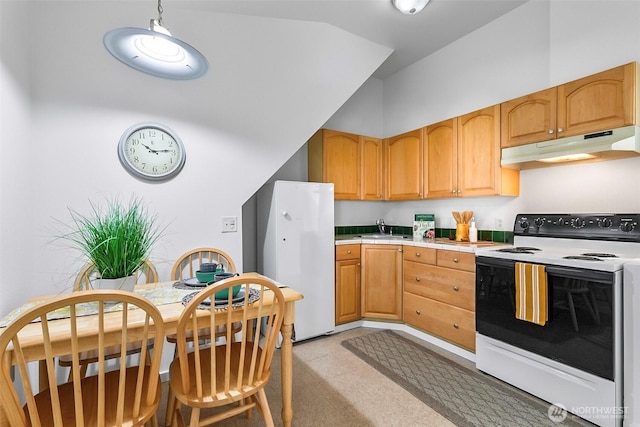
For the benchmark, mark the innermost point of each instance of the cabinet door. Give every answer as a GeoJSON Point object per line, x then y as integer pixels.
{"type": "Point", "coordinates": [347, 291]}
{"type": "Point", "coordinates": [382, 281]}
{"type": "Point", "coordinates": [403, 158]}
{"type": "Point", "coordinates": [440, 159]}
{"type": "Point", "coordinates": [529, 119]}
{"type": "Point", "coordinates": [479, 171]}
{"type": "Point", "coordinates": [341, 163]}
{"type": "Point", "coordinates": [371, 177]}
{"type": "Point", "coordinates": [602, 101]}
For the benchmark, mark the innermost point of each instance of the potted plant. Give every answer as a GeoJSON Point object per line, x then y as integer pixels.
{"type": "Point", "coordinates": [116, 239]}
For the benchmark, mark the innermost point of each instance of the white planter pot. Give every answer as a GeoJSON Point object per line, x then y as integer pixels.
{"type": "Point", "coordinates": [121, 283]}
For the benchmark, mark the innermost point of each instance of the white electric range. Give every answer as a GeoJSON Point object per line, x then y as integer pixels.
{"type": "Point", "coordinates": [576, 359]}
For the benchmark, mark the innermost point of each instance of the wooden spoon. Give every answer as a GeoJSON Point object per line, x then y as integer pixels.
{"type": "Point", "coordinates": [457, 217]}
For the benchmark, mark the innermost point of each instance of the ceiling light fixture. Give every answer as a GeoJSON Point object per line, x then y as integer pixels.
{"type": "Point", "coordinates": [409, 7]}
{"type": "Point", "coordinates": [155, 51]}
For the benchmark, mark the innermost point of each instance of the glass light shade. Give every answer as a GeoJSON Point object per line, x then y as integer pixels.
{"type": "Point", "coordinates": [409, 7]}
{"type": "Point", "coordinates": [156, 53]}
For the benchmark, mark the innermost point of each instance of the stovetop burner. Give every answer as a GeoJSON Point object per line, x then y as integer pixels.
{"type": "Point", "coordinates": [520, 250]}
{"type": "Point", "coordinates": [583, 257]}
{"type": "Point", "coordinates": [599, 255]}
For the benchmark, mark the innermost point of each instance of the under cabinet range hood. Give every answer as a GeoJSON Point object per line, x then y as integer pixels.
{"type": "Point", "coordinates": [606, 145]}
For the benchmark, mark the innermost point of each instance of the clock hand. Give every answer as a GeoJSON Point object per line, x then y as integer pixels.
{"type": "Point", "coordinates": [151, 150]}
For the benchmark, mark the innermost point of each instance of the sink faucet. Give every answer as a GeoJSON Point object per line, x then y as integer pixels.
{"type": "Point", "coordinates": [380, 224]}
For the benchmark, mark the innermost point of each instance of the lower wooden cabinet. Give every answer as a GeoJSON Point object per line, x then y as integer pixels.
{"type": "Point", "coordinates": [382, 282]}
{"type": "Point", "coordinates": [347, 283]}
{"type": "Point", "coordinates": [444, 320]}
{"type": "Point", "coordinates": [439, 295]}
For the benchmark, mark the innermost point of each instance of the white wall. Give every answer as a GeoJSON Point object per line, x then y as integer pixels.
{"type": "Point", "coordinates": [272, 84]}
{"type": "Point", "coordinates": [538, 45]}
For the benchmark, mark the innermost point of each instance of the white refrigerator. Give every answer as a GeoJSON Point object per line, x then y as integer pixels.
{"type": "Point", "coordinates": [296, 241]}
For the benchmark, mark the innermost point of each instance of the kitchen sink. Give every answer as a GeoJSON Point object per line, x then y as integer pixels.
{"type": "Point", "coordinates": [382, 236]}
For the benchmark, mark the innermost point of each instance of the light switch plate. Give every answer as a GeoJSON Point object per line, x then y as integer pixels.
{"type": "Point", "coordinates": [229, 224]}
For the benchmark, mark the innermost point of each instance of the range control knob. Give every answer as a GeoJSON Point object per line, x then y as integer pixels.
{"type": "Point", "coordinates": [578, 222]}
{"type": "Point", "coordinates": [626, 226]}
{"type": "Point", "coordinates": [539, 222]}
{"type": "Point", "coordinates": [524, 224]}
{"type": "Point", "coordinates": [604, 222]}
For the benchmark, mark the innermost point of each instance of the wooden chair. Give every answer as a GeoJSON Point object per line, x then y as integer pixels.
{"type": "Point", "coordinates": [188, 263]}
{"type": "Point", "coordinates": [185, 267]}
{"type": "Point", "coordinates": [146, 274]}
{"type": "Point", "coordinates": [122, 396]}
{"type": "Point", "coordinates": [231, 375]}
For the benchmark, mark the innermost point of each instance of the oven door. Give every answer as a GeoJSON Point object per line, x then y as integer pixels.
{"type": "Point", "coordinates": [579, 331]}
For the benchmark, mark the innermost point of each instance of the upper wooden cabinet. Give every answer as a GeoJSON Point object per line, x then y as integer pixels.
{"type": "Point", "coordinates": [441, 159]}
{"type": "Point", "coordinates": [353, 163]}
{"type": "Point", "coordinates": [602, 101]}
{"type": "Point", "coordinates": [462, 157]}
{"type": "Point", "coordinates": [403, 161]}
{"type": "Point", "coordinates": [530, 118]}
{"type": "Point", "coordinates": [371, 168]}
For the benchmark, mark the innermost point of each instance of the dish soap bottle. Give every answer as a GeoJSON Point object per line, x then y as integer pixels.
{"type": "Point", "coordinates": [473, 232]}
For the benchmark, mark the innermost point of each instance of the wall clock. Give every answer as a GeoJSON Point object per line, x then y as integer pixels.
{"type": "Point", "coordinates": [151, 151]}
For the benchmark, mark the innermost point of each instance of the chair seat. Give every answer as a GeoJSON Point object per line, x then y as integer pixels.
{"type": "Point", "coordinates": [111, 352]}
{"type": "Point", "coordinates": [205, 333]}
{"type": "Point", "coordinates": [65, 391]}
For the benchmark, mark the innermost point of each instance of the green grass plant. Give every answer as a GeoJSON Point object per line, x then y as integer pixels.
{"type": "Point", "coordinates": [117, 238]}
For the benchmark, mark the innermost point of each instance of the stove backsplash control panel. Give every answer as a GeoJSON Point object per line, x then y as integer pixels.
{"type": "Point", "coordinates": [615, 227]}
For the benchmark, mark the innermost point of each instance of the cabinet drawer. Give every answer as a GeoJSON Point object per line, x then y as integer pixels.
{"type": "Point", "coordinates": [347, 252]}
{"type": "Point", "coordinates": [450, 323]}
{"type": "Point", "coordinates": [417, 254]}
{"type": "Point", "coordinates": [443, 284]}
{"type": "Point", "coordinates": [459, 260]}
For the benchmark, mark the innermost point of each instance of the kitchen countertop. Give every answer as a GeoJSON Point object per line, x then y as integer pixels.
{"type": "Point", "coordinates": [439, 243]}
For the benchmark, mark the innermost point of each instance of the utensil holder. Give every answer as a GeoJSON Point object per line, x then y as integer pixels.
{"type": "Point", "coordinates": [462, 232]}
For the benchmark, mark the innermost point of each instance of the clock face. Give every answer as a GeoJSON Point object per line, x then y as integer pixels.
{"type": "Point", "coordinates": [151, 151]}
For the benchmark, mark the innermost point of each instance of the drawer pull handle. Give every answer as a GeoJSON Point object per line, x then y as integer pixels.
{"type": "Point", "coordinates": [417, 254]}
{"type": "Point", "coordinates": [455, 325]}
{"type": "Point", "coordinates": [455, 260]}
{"type": "Point", "coordinates": [417, 279]}
{"type": "Point", "coordinates": [455, 288]}
{"type": "Point", "coordinates": [348, 252]}
{"type": "Point", "coordinates": [418, 312]}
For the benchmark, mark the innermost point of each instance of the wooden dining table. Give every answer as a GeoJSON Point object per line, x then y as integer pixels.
{"type": "Point", "coordinates": [31, 336]}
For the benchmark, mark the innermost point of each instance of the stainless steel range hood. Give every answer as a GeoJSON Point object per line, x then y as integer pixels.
{"type": "Point", "coordinates": [606, 145]}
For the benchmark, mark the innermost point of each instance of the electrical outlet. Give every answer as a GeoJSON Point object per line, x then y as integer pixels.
{"type": "Point", "coordinates": [498, 223]}
{"type": "Point", "coordinates": [229, 224]}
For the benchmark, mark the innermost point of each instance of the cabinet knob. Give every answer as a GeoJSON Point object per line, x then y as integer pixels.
{"type": "Point", "coordinates": [455, 260]}
{"type": "Point", "coordinates": [417, 279]}
{"type": "Point", "coordinates": [349, 252]}
{"type": "Point", "coordinates": [358, 264]}
{"type": "Point", "coordinates": [550, 131]}
{"type": "Point", "coordinates": [455, 325]}
{"type": "Point", "coordinates": [459, 191]}
{"type": "Point", "coordinates": [560, 130]}
{"type": "Point", "coordinates": [455, 288]}
{"type": "Point", "coordinates": [453, 190]}
{"type": "Point", "coordinates": [417, 254]}
{"type": "Point", "coordinates": [418, 312]}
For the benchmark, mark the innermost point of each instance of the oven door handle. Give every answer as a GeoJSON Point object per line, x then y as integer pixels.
{"type": "Point", "coordinates": [554, 270]}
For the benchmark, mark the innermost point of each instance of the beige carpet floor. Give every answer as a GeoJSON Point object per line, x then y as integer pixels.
{"type": "Point", "coordinates": [333, 387]}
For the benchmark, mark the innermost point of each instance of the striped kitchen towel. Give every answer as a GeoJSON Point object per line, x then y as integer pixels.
{"type": "Point", "coordinates": [531, 293]}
